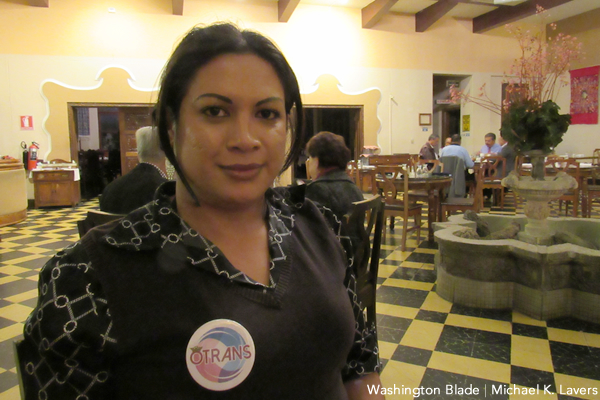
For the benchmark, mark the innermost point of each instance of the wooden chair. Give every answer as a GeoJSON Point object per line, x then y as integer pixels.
{"type": "Point", "coordinates": [393, 181]}
{"type": "Point", "coordinates": [95, 218]}
{"type": "Point", "coordinates": [555, 165]}
{"type": "Point", "coordinates": [591, 191]}
{"type": "Point", "coordinates": [494, 169]}
{"type": "Point", "coordinates": [367, 216]}
{"type": "Point", "coordinates": [453, 204]}
{"type": "Point", "coordinates": [395, 159]}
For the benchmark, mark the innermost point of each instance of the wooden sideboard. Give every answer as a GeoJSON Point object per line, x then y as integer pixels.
{"type": "Point", "coordinates": [56, 188]}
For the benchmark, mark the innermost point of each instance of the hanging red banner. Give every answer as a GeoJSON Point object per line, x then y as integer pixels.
{"type": "Point", "coordinates": [584, 95]}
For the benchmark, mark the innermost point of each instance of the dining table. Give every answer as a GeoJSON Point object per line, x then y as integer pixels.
{"type": "Point", "coordinates": [432, 186]}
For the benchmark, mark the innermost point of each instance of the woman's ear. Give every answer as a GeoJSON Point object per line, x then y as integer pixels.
{"type": "Point", "coordinates": [173, 134]}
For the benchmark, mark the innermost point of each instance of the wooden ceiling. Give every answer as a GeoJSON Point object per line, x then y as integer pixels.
{"type": "Point", "coordinates": [486, 14]}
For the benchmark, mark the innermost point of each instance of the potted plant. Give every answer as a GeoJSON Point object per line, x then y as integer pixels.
{"type": "Point", "coordinates": [531, 119]}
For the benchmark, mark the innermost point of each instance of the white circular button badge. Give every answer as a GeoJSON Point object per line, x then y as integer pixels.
{"type": "Point", "coordinates": [220, 354]}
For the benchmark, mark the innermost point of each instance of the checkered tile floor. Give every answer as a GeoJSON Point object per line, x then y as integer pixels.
{"type": "Point", "coordinates": [425, 341]}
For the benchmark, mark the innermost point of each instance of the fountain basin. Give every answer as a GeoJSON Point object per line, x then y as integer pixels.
{"type": "Point", "coordinates": [540, 281]}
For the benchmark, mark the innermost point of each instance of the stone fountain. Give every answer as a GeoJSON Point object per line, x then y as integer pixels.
{"type": "Point", "coordinates": [550, 269]}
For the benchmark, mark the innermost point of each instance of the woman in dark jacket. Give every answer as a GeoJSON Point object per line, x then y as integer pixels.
{"type": "Point", "coordinates": [331, 185]}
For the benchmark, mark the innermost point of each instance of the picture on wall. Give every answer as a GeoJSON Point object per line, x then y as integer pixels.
{"type": "Point", "coordinates": [466, 123]}
{"type": "Point", "coordinates": [584, 95]}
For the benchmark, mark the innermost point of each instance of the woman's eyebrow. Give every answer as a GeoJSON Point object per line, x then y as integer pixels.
{"type": "Point", "coordinates": [268, 100]}
{"type": "Point", "coordinates": [217, 96]}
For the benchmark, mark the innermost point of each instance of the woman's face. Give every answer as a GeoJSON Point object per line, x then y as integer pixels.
{"type": "Point", "coordinates": [231, 131]}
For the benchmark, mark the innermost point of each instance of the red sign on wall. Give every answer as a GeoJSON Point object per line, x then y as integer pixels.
{"type": "Point", "coordinates": [26, 122]}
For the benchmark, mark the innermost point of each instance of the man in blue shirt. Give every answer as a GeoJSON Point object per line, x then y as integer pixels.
{"type": "Point", "coordinates": [490, 146]}
{"type": "Point", "coordinates": [455, 149]}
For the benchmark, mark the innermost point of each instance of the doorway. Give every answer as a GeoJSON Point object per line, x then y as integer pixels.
{"type": "Point", "coordinates": [103, 141]}
{"type": "Point", "coordinates": [346, 121]}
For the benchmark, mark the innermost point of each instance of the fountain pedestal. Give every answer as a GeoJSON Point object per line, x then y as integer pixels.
{"type": "Point", "coordinates": [537, 194]}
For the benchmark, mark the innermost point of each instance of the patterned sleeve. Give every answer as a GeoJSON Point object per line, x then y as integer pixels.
{"type": "Point", "coordinates": [363, 358]}
{"type": "Point", "coordinates": [67, 336]}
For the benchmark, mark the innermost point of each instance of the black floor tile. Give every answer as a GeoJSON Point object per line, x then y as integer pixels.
{"type": "Point", "coordinates": [390, 335]}
{"type": "Point", "coordinates": [16, 287]}
{"type": "Point", "coordinates": [432, 316]}
{"type": "Point", "coordinates": [574, 324]}
{"type": "Point", "coordinates": [488, 389]}
{"type": "Point", "coordinates": [33, 264]}
{"type": "Point", "coordinates": [575, 360]}
{"type": "Point", "coordinates": [421, 258]}
{"type": "Point", "coordinates": [8, 380]}
{"type": "Point", "coordinates": [401, 296]}
{"type": "Point", "coordinates": [492, 338]}
{"type": "Point", "coordinates": [492, 352]}
{"type": "Point", "coordinates": [532, 378]}
{"type": "Point", "coordinates": [389, 321]}
{"type": "Point", "coordinates": [538, 332]}
{"type": "Point", "coordinates": [412, 355]}
{"type": "Point", "coordinates": [426, 244]}
{"type": "Point", "coordinates": [5, 257]}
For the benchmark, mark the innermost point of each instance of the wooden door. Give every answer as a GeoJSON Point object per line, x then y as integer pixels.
{"type": "Point", "coordinates": [130, 120]}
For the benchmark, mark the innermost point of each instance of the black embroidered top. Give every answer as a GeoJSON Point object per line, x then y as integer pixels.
{"type": "Point", "coordinates": [149, 279]}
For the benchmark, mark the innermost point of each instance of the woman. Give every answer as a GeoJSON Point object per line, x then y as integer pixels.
{"type": "Point", "coordinates": [221, 288]}
{"type": "Point", "coordinates": [331, 185]}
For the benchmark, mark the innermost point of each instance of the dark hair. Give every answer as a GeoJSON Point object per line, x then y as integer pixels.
{"type": "Point", "coordinates": [491, 135]}
{"type": "Point", "coordinates": [433, 136]}
{"type": "Point", "coordinates": [203, 44]}
{"type": "Point", "coordinates": [330, 149]}
{"type": "Point", "coordinates": [456, 138]}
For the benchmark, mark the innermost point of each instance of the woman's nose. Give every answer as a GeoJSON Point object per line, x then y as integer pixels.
{"type": "Point", "coordinates": [244, 135]}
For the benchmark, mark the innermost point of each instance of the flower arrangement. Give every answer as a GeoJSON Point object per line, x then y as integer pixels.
{"type": "Point", "coordinates": [530, 115]}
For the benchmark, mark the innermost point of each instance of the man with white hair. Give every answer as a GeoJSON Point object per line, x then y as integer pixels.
{"type": "Point", "coordinates": [137, 187]}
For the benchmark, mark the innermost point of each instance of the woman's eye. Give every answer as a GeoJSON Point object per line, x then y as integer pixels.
{"type": "Point", "coordinates": [268, 114]}
{"type": "Point", "coordinates": [214, 111]}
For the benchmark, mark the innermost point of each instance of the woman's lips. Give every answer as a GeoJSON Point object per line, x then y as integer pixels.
{"type": "Point", "coordinates": [242, 171]}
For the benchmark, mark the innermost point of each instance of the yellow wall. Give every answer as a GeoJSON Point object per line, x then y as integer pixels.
{"type": "Point", "coordinates": [72, 41]}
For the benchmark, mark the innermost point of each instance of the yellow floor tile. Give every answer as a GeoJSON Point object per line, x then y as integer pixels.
{"type": "Point", "coordinates": [426, 251]}
{"type": "Point", "coordinates": [422, 334]}
{"type": "Point", "coordinates": [398, 255]}
{"type": "Point", "coordinates": [15, 312]}
{"type": "Point", "coordinates": [567, 385]}
{"type": "Point", "coordinates": [11, 331]}
{"type": "Point", "coordinates": [35, 250]}
{"type": "Point", "coordinates": [479, 323]}
{"type": "Point", "coordinates": [524, 319]}
{"type": "Point", "coordinates": [386, 349]}
{"type": "Point", "coordinates": [531, 353]}
{"type": "Point", "coordinates": [13, 270]}
{"type": "Point", "coordinates": [433, 302]}
{"type": "Point", "coordinates": [8, 279]}
{"type": "Point", "coordinates": [386, 270]}
{"type": "Point", "coordinates": [17, 298]}
{"type": "Point", "coordinates": [24, 234]}
{"type": "Point", "coordinates": [11, 394]}
{"type": "Point", "coordinates": [8, 245]}
{"type": "Point", "coordinates": [429, 267]}
{"type": "Point", "coordinates": [402, 375]}
{"type": "Point", "coordinates": [411, 264]}
{"type": "Point", "coordinates": [27, 258]}
{"type": "Point", "coordinates": [592, 339]}
{"type": "Point", "coordinates": [408, 284]}
{"type": "Point", "coordinates": [470, 366]}
{"type": "Point", "coordinates": [396, 311]}
{"type": "Point", "coordinates": [563, 335]}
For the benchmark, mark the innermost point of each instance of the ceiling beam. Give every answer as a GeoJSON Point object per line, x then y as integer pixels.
{"type": "Point", "coordinates": [430, 15]}
{"type": "Point", "coordinates": [177, 7]}
{"type": "Point", "coordinates": [39, 3]}
{"type": "Point", "coordinates": [506, 15]}
{"type": "Point", "coordinates": [286, 9]}
{"type": "Point", "coordinates": [373, 12]}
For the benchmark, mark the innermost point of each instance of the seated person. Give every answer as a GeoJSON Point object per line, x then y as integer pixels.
{"type": "Point", "coordinates": [137, 187]}
{"type": "Point", "coordinates": [326, 165]}
{"type": "Point", "coordinates": [456, 150]}
{"type": "Point", "coordinates": [509, 154]}
{"type": "Point", "coordinates": [428, 152]}
{"type": "Point", "coordinates": [490, 146]}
